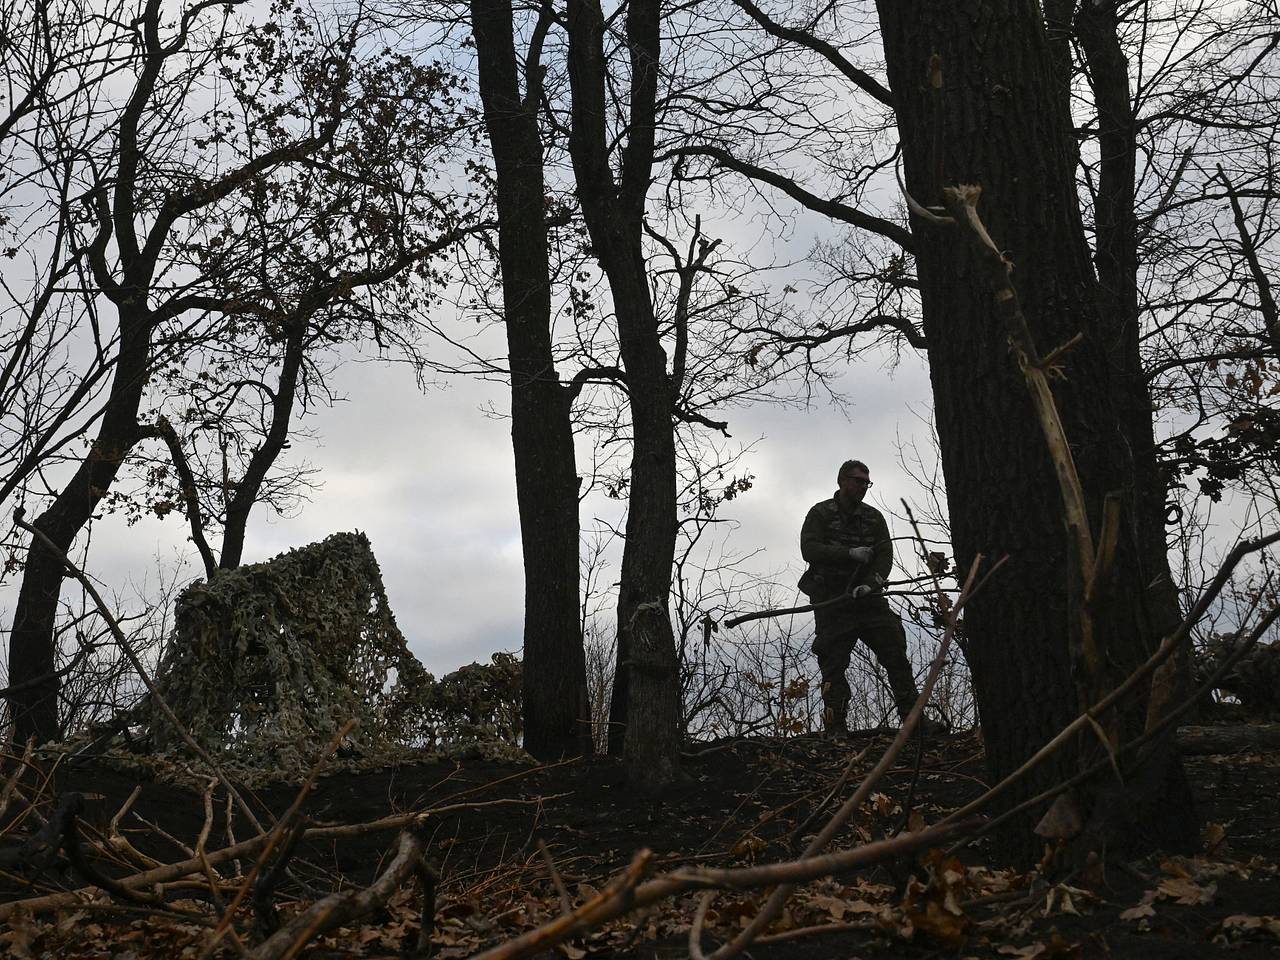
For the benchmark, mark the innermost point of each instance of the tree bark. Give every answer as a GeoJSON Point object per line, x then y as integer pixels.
{"type": "Point", "coordinates": [645, 713]}
{"type": "Point", "coordinates": [555, 678]}
{"type": "Point", "coordinates": [1116, 262]}
{"type": "Point", "coordinates": [32, 650]}
{"type": "Point", "coordinates": [977, 98]}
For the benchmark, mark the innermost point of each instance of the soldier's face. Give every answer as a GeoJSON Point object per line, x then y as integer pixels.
{"type": "Point", "coordinates": [853, 484]}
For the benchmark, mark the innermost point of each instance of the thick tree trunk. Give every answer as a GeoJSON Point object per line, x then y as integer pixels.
{"type": "Point", "coordinates": [32, 645]}
{"type": "Point", "coordinates": [647, 685]}
{"type": "Point", "coordinates": [977, 102]}
{"type": "Point", "coordinates": [555, 678]}
{"type": "Point", "coordinates": [651, 743]}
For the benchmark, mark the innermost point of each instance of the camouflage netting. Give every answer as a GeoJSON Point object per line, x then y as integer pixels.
{"type": "Point", "coordinates": [268, 661]}
{"type": "Point", "coordinates": [1253, 683]}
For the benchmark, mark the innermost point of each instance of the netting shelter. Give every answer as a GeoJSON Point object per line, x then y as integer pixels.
{"type": "Point", "coordinates": [267, 662]}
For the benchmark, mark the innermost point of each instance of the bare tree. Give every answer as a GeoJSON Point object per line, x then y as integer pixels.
{"type": "Point", "coordinates": [51, 384]}
{"type": "Point", "coordinates": [555, 681]}
{"type": "Point", "coordinates": [242, 222]}
{"type": "Point", "coordinates": [647, 685]}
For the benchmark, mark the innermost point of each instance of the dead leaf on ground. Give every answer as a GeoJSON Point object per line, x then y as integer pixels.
{"type": "Point", "coordinates": [1201, 869]}
{"type": "Point", "coordinates": [1139, 912]}
{"type": "Point", "coordinates": [750, 846]}
{"type": "Point", "coordinates": [1062, 898]}
{"type": "Point", "coordinates": [1056, 949]}
{"type": "Point", "coordinates": [1062, 821]}
{"type": "Point", "coordinates": [1213, 836]}
{"type": "Point", "coordinates": [839, 908]}
{"type": "Point", "coordinates": [21, 934]}
{"type": "Point", "coordinates": [1187, 892]}
{"type": "Point", "coordinates": [1242, 926]}
{"type": "Point", "coordinates": [1029, 952]}
{"type": "Point", "coordinates": [934, 908]}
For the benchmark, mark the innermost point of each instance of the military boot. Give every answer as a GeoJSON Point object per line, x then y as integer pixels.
{"type": "Point", "coordinates": [835, 717]}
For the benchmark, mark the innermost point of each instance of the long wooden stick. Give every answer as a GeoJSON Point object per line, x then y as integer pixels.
{"type": "Point", "coordinates": [626, 893]}
{"type": "Point", "coordinates": [114, 626]}
{"type": "Point", "coordinates": [273, 840]}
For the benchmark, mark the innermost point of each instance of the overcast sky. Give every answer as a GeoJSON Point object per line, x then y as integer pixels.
{"type": "Point", "coordinates": [427, 476]}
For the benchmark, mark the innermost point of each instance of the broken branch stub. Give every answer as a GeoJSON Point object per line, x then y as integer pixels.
{"type": "Point", "coordinates": [1087, 658]}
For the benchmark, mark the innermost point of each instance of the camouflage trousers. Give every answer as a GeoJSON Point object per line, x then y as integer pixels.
{"type": "Point", "coordinates": [872, 622]}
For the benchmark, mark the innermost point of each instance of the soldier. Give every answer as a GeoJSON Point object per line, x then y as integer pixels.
{"type": "Point", "coordinates": [847, 546]}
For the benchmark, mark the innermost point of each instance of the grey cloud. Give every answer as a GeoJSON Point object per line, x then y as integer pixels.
{"type": "Point", "coordinates": [428, 478]}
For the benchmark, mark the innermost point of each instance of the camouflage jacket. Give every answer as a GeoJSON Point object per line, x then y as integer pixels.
{"type": "Point", "coordinates": [829, 531]}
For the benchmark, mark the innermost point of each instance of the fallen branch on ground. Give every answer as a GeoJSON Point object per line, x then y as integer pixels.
{"type": "Point", "coordinates": [337, 908]}
{"type": "Point", "coordinates": [172, 872]}
{"type": "Point", "coordinates": [623, 895]}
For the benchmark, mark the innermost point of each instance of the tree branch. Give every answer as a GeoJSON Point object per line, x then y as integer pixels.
{"type": "Point", "coordinates": [830, 208]}
{"type": "Point", "coordinates": [859, 78]}
{"type": "Point", "coordinates": [692, 416]}
{"type": "Point", "coordinates": [191, 501]}
{"type": "Point", "coordinates": [595, 375]}
{"type": "Point", "coordinates": [1266, 301]}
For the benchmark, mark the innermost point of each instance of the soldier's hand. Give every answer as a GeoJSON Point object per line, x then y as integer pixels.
{"type": "Point", "coordinates": [861, 554]}
{"type": "Point", "coordinates": [861, 590]}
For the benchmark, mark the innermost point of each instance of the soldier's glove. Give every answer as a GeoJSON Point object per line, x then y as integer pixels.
{"type": "Point", "coordinates": [861, 554]}
{"type": "Point", "coordinates": [861, 590]}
